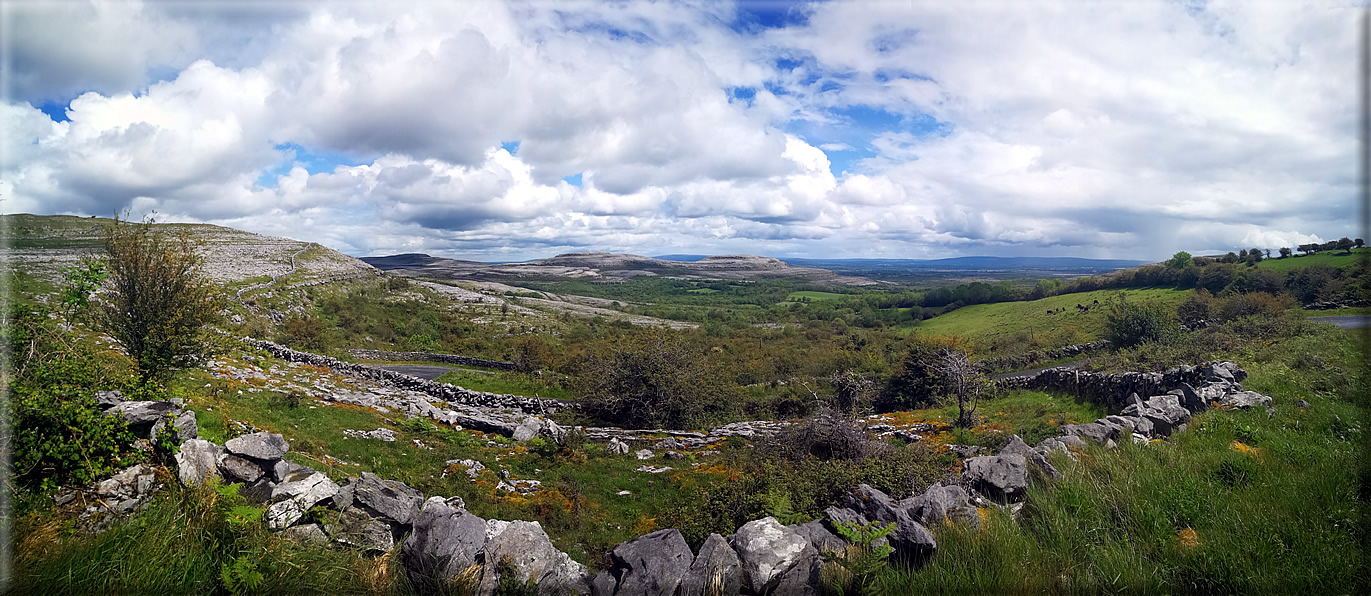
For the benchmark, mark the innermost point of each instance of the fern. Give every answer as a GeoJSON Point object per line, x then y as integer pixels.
{"type": "Point", "coordinates": [862, 560]}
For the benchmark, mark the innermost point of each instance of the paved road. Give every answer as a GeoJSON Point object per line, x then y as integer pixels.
{"type": "Point", "coordinates": [1346, 322]}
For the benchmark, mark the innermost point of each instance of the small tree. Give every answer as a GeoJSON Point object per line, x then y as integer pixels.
{"type": "Point", "coordinates": [1346, 244]}
{"type": "Point", "coordinates": [964, 381]}
{"type": "Point", "coordinates": [159, 299]}
{"type": "Point", "coordinates": [1179, 260]}
{"type": "Point", "coordinates": [1286, 252]}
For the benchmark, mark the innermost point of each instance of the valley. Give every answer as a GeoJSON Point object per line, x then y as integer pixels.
{"type": "Point", "coordinates": [615, 398]}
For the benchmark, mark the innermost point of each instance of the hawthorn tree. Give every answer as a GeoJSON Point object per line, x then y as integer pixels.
{"type": "Point", "coordinates": [157, 300]}
{"type": "Point", "coordinates": [964, 381]}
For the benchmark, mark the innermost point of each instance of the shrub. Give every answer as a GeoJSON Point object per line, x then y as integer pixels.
{"type": "Point", "coordinates": [159, 300]}
{"type": "Point", "coordinates": [1132, 323]}
{"type": "Point", "coordinates": [1237, 306]}
{"type": "Point", "coordinates": [1196, 309]}
{"type": "Point", "coordinates": [654, 380]}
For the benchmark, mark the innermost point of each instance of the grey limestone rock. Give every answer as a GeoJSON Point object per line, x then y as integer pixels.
{"type": "Point", "coordinates": [617, 447]}
{"type": "Point", "coordinates": [186, 427]}
{"type": "Point", "coordinates": [262, 446]}
{"type": "Point", "coordinates": [1015, 445]}
{"type": "Point", "coordinates": [357, 529]}
{"type": "Point", "coordinates": [239, 469]}
{"type": "Point", "coordinates": [717, 570]}
{"type": "Point", "coordinates": [385, 499]}
{"type": "Point", "coordinates": [311, 533]}
{"type": "Point", "coordinates": [767, 549]}
{"type": "Point", "coordinates": [1097, 432]}
{"type": "Point", "coordinates": [1001, 478]}
{"type": "Point", "coordinates": [654, 563]}
{"type": "Point", "coordinates": [532, 558]}
{"type": "Point", "coordinates": [527, 429]}
{"type": "Point", "coordinates": [108, 399]}
{"type": "Point", "coordinates": [444, 542]}
{"type": "Point", "coordinates": [140, 413]}
{"type": "Point", "coordinates": [283, 468]}
{"type": "Point", "coordinates": [305, 487]}
{"type": "Point", "coordinates": [802, 579]}
{"type": "Point", "coordinates": [283, 514]}
{"type": "Point", "coordinates": [197, 461]}
{"type": "Point", "coordinates": [643, 454]}
{"type": "Point", "coordinates": [933, 505]}
{"type": "Point", "coordinates": [1246, 399]}
{"type": "Point", "coordinates": [819, 537]}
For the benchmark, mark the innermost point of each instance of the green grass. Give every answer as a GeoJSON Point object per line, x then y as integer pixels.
{"type": "Point", "coordinates": [503, 382]}
{"type": "Point", "coordinates": [180, 545]}
{"type": "Point", "coordinates": [1336, 312]}
{"type": "Point", "coordinates": [813, 295]}
{"type": "Point", "coordinates": [1332, 258]}
{"type": "Point", "coordinates": [1011, 326]}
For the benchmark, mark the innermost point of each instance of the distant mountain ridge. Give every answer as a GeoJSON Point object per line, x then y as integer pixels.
{"type": "Point", "coordinates": [605, 267]}
{"type": "Point", "coordinates": [982, 263]}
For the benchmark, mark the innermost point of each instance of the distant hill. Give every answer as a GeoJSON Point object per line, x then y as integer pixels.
{"type": "Point", "coordinates": [1074, 264]}
{"type": "Point", "coordinates": [43, 245]}
{"type": "Point", "coordinates": [604, 267]}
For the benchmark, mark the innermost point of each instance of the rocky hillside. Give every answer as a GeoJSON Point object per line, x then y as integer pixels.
{"type": "Point", "coordinates": [43, 245]}
{"type": "Point", "coordinates": [607, 267]}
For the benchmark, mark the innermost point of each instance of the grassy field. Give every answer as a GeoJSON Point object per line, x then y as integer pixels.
{"type": "Point", "coordinates": [813, 295]}
{"type": "Point", "coordinates": [998, 327]}
{"type": "Point", "coordinates": [1332, 258]}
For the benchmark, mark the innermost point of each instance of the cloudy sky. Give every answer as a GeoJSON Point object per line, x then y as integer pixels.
{"type": "Point", "coordinates": [516, 130]}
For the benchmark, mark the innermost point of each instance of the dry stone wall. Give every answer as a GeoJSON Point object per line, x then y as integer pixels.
{"type": "Point", "coordinates": [430, 357]}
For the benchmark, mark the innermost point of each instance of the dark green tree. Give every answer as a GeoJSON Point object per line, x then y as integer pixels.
{"type": "Point", "coordinates": [1179, 260]}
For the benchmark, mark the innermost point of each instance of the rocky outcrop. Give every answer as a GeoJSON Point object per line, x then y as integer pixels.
{"type": "Point", "coordinates": [1001, 478]}
{"type": "Point", "coordinates": [524, 550]}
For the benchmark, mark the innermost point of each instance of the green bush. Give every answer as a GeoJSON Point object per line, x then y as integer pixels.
{"type": "Point", "coordinates": [1131, 323]}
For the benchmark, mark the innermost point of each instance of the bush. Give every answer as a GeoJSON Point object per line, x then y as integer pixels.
{"type": "Point", "coordinates": [654, 380]}
{"type": "Point", "coordinates": [1196, 309]}
{"type": "Point", "coordinates": [159, 300]}
{"type": "Point", "coordinates": [59, 436]}
{"type": "Point", "coordinates": [1132, 323]}
{"type": "Point", "coordinates": [1237, 306]}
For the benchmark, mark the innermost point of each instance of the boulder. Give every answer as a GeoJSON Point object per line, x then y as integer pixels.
{"type": "Point", "coordinates": [284, 514]}
{"type": "Point", "coordinates": [555, 432]}
{"type": "Point", "coordinates": [1015, 445]}
{"type": "Point", "coordinates": [1001, 478]}
{"type": "Point", "coordinates": [263, 446]}
{"type": "Point", "coordinates": [445, 541]}
{"type": "Point", "coordinates": [357, 529]}
{"type": "Point", "coordinates": [144, 414]}
{"type": "Point", "coordinates": [305, 487]}
{"type": "Point", "coordinates": [803, 578]}
{"type": "Point", "coordinates": [108, 399]}
{"type": "Point", "coordinates": [1190, 398]}
{"type": "Point", "coordinates": [767, 549]}
{"type": "Point", "coordinates": [717, 570]}
{"type": "Point", "coordinates": [1097, 432]}
{"type": "Point", "coordinates": [389, 500]}
{"type": "Point", "coordinates": [1138, 425]}
{"type": "Point", "coordinates": [531, 558]}
{"type": "Point", "coordinates": [527, 429]}
{"type": "Point", "coordinates": [643, 454]}
{"type": "Point", "coordinates": [933, 506]}
{"type": "Point", "coordinates": [283, 468]}
{"type": "Point", "coordinates": [871, 503]}
{"type": "Point", "coordinates": [197, 461]}
{"type": "Point", "coordinates": [819, 537]}
{"type": "Point", "coordinates": [1245, 399]}
{"type": "Point", "coordinates": [186, 427]}
{"type": "Point", "coordinates": [617, 447]}
{"type": "Point", "coordinates": [1063, 443]}
{"type": "Point", "coordinates": [307, 533]}
{"type": "Point", "coordinates": [833, 516]}
{"type": "Point", "coordinates": [651, 564]}
{"type": "Point", "coordinates": [239, 469]}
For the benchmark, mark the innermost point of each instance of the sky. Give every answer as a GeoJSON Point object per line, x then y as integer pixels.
{"type": "Point", "coordinates": [504, 131]}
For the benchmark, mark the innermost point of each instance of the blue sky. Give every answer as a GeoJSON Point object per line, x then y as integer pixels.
{"type": "Point", "coordinates": [514, 130]}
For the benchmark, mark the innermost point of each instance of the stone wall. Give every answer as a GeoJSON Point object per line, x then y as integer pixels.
{"type": "Point", "coordinates": [441, 391]}
{"type": "Point", "coordinates": [1110, 390]}
{"type": "Point", "coordinates": [429, 357]}
{"type": "Point", "coordinates": [1022, 360]}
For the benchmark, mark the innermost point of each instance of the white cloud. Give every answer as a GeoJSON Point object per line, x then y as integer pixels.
{"type": "Point", "coordinates": [1125, 130]}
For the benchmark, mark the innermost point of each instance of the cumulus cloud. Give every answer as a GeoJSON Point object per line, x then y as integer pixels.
{"type": "Point", "coordinates": [1124, 130]}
